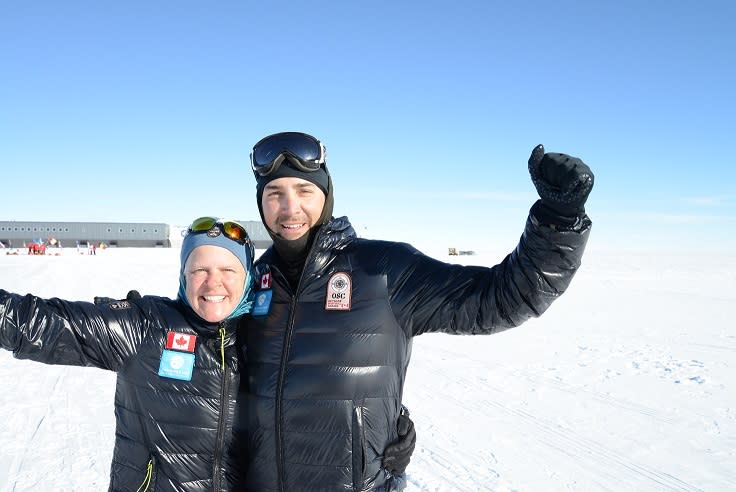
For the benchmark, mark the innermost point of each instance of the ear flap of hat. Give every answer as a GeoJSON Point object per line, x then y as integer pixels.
{"type": "Point", "coordinates": [329, 203]}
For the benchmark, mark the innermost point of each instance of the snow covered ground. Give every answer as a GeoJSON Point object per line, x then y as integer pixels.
{"type": "Point", "coordinates": [626, 383]}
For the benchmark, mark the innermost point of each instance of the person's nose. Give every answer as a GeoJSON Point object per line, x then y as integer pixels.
{"type": "Point", "coordinates": [290, 203]}
{"type": "Point", "coordinates": [214, 279]}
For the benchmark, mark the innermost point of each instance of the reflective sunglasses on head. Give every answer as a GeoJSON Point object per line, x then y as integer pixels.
{"type": "Point", "coordinates": [268, 154]}
{"type": "Point", "coordinates": [230, 228]}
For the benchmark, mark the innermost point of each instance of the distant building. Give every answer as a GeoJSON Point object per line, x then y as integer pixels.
{"type": "Point", "coordinates": [257, 233]}
{"type": "Point", "coordinates": [113, 234]}
{"type": "Point", "coordinates": [18, 234]}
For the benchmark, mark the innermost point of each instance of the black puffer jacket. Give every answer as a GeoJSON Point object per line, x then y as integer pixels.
{"type": "Point", "coordinates": [325, 386]}
{"type": "Point", "coordinates": [181, 429]}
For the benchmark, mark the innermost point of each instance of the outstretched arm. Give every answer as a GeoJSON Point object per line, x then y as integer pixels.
{"type": "Point", "coordinates": [55, 331]}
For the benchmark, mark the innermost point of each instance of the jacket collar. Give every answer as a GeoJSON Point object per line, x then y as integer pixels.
{"type": "Point", "coordinates": [330, 237]}
{"type": "Point", "coordinates": [204, 328]}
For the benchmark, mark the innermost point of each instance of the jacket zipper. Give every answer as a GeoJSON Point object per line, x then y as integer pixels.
{"type": "Point", "coordinates": [282, 368]}
{"type": "Point", "coordinates": [280, 394]}
{"type": "Point", "coordinates": [224, 390]}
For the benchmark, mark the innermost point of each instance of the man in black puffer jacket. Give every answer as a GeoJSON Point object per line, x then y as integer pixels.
{"type": "Point", "coordinates": [330, 337]}
{"type": "Point", "coordinates": [176, 362]}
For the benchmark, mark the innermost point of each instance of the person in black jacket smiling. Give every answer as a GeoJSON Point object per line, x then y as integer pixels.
{"type": "Point", "coordinates": [176, 362]}
{"type": "Point", "coordinates": [329, 339]}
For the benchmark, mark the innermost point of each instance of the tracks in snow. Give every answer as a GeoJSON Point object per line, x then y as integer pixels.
{"type": "Point", "coordinates": [549, 441]}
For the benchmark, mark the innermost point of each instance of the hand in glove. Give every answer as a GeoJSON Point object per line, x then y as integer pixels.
{"type": "Point", "coordinates": [563, 183]}
{"type": "Point", "coordinates": [132, 294]}
{"type": "Point", "coordinates": [397, 455]}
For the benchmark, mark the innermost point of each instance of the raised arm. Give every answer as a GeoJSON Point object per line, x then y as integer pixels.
{"type": "Point", "coordinates": [432, 296]}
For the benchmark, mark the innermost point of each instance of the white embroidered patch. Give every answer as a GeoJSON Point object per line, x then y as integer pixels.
{"type": "Point", "coordinates": [339, 292]}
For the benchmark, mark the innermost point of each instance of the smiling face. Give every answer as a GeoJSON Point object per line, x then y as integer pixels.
{"type": "Point", "coordinates": [291, 206]}
{"type": "Point", "coordinates": [215, 280]}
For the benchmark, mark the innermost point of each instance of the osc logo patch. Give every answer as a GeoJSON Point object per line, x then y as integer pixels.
{"type": "Point", "coordinates": [339, 292]}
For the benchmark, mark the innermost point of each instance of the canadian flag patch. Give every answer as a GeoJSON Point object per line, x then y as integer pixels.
{"type": "Point", "coordinates": [180, 341]}
{"type": "Point", "coordinates": [266, 281]}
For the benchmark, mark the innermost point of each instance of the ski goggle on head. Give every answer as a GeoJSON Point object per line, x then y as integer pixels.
{"type": "Point", "coordinates": [308, 154]}
{"type": "Point", "coordinates": [231, 229]}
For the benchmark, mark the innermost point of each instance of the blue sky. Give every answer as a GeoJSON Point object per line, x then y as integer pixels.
{"type": "Point", "coordinates": [147, 111]}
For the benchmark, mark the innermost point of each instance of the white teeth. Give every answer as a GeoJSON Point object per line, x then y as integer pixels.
{"type": "Point", "coordinates": [214, 298]}
{"type": "Point", "coordinates": [292, 226]}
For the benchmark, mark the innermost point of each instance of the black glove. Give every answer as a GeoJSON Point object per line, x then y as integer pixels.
{"type": "Point", "coordinates": [563, 183]}
{"type": "Point", "coordinates": [397, 455]}
{"type": "Point", "coordinates": [132, 294]}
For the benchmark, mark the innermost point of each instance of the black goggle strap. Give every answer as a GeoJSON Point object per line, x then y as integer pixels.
{"type": "Point", "coordinates": [295, 162]}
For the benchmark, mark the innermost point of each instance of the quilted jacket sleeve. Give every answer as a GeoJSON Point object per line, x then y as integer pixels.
{"type": "Point", "coordinates": [432, 296]}
{"type": "Point", "coordinates": [54, 331]}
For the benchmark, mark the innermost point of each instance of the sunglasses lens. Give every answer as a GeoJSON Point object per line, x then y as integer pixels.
{"type": "Point", "coordinates": [231, 229]}
{"type": "Point", "coordinates": [302, 146]}
{"type": "Point", "coordinates": [234, 231]}
{"type": "Point", "coordinates": [203, 224]}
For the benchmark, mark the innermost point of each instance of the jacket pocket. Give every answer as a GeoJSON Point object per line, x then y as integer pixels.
{"type": "Point", "coordinates": [358, 446]}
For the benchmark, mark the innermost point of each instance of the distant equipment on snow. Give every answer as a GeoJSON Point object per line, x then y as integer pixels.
{"type": "Point", "coordinates": [455, 252]}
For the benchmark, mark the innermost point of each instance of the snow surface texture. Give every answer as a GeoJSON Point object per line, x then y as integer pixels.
{"type": "Point", "coordinates": [626, 383]}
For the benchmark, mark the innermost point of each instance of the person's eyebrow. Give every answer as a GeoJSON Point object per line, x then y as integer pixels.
{"type": "Point", "coordinates": [271, 186]}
